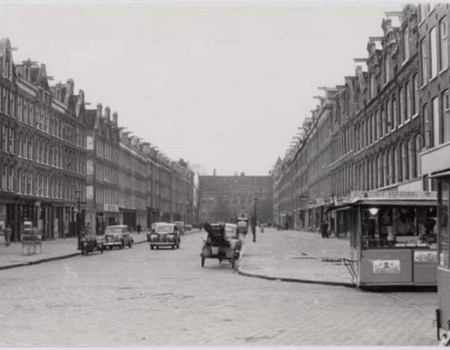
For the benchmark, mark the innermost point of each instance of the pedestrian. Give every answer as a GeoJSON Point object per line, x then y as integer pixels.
{"type": "Point", "coordinates": [138, 229]}
{"type": "Point", "coordinates": [88, 229]}
{"type": "Point", "coordinates": [324, 229]}
{"type": "Point", "coordinates": [8, 233]}
{"type": "Point", "coordinates": [262, 227]}
{"type": "Point", "coordinates": [254, 230]}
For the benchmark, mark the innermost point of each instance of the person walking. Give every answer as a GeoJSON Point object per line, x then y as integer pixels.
{"type": "Point", "coordinates": [324, 229]}
{"type": "Point", "coordinates": [254, 230]}
{"type": "Point", "coordinates": [8, 233]}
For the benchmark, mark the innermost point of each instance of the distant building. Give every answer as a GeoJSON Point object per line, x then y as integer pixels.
{"type": "Point", "coordinates": [224, 198]}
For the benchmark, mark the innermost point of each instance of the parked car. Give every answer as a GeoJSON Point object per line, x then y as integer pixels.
{"type": "Point", "coordinates": [181, 226]}
{"type": "Point", "coordinates": [165, 234]}
{"type": "Point", "coordinates": [118, 236]}
{"type": "Point", "coordinates": [242, 227]}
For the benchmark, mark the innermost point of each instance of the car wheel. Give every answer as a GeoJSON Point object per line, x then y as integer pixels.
{"type": "Point", "coordinates": [203, 261]}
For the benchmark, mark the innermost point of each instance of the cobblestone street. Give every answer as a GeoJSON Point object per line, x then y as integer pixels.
{"type": "Point", "coordinates": [139, 297]}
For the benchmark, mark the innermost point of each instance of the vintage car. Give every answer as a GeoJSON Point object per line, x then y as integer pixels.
{"type": "Point", "coordinates": [242, 227]}
{"type": "Point", "coordinates": [118, 236]}
{"type": "Point", "coordinates": [222, 243]}
{"type": "Point", "coordinates": [165, 235]}
{"type": "Point", "coordinates": [181, 226]}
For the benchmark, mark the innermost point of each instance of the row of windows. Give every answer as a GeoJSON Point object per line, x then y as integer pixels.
{"type": "Point", "coordinates": [41, 117]}
{"type": "Point", "coordinates": [434, 51]}
{"type": "Point", "coordinates": [437, 123]}
{"type": "Point", "coordinates": [27, 182]}
{"type": "Point", "coordinates": [123, 199]}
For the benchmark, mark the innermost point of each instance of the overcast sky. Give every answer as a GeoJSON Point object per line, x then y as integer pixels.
{"type": "Point", "coordinates": [222, 86]}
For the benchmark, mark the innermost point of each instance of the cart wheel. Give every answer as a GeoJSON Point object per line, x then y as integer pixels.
{"type": "Point", "coordinates": [203, 261]}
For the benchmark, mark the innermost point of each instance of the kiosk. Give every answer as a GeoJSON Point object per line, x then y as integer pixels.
{"type": "Point", "coordinates": [443, 268]}
{"type": "Point", "coordinates": [393, 238]}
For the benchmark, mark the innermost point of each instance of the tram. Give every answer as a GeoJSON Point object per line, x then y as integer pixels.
{"type": "Point", "coordinates": [443, 268]}
{"type": "Point", "coordinates": [393, 240]}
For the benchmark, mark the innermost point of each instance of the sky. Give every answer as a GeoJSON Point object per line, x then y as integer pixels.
{"type": "Point", "coordinates": [223, 86]}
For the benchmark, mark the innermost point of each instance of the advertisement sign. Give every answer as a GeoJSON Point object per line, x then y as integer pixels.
{"type": "Point", "coordinates": [386, 267]}
{"type": "Point", "coordinates": [416, 195]}
{"type": "Point", "coordinates": [425, 256]}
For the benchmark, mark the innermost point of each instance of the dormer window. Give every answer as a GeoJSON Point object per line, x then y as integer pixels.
{"type": "Point", "coordinates": [27, 73]}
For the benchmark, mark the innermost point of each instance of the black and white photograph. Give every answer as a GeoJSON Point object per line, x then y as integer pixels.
{"type": "Point", "coordinates": [224, 174]}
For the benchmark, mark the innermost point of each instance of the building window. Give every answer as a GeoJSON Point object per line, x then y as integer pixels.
{"type": "Point", "coordinates": [399, 163]}
{"type": "Point", "coordinates": [418, 149]}
{"type": "Point", "coordinates": [436, 125]}
{"type": "Point", "coordinates": [394, 116]}
{"type": "Point", "coordinates": [406, 43]}
{"type": "Point", "coordinates": [388, 123]}
{"type": "Point", "coordinates": [386, 69]}
{"type": "Point", "coordinates": [433, 53]}
{"type": "Point", "coordinates": [415, 95]}
{"type": "Point", "coordinates": [408, 101]}
{"type": "Point", "coordinates": [424, 61]}
{"type": "Point", "coordinates": [372, 86]}
{"type": "Point", "coordinates": [411, 159]}
{"type": "Point", "coordinates": [402, 106]}
{"type": "Point", "coordinates": [428, 127]}
{"type": "Point", "coordinates": [393, 165]}
{"type": "Point", "coordinates": [446, 115]}
{"type": "Point", "coordinates": [443, 42]}
{"type": "Point", "coordinates": [387, 167]}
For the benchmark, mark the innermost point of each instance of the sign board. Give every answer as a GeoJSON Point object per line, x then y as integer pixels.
{"type": "Point", "coordinates": [112, 208]}
{"type": "Point", "coordinates": [90, 192]}
{"type": "Point", "coordinates": [89, 143]}
{"type": "Point", "coordinates": [431, 195]}
{"type": "Point", "coordinates": [425, 256]}
{"type": "Point", "coordinates": [90, 167]}
{"type": "Point", "coordinates": [386, 267]}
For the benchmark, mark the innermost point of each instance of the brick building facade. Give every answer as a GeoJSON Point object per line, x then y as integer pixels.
{"type": "Point", "coordinates": [224, 198]}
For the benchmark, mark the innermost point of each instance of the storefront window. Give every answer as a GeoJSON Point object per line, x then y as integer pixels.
{"type": "Point", "coordinates": [398, 227]}
{"type": "Point", "coordinates": [443, 198]}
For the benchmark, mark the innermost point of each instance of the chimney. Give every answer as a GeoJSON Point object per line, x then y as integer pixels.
{"type": "Point", "coordinates": [99, 110]}
{"type": "Point", "coordinates": [146, 148]}
{"type": "Point", "coordinates": [115, 118]}
{"type": "Point", "coordinates": [108, 113]}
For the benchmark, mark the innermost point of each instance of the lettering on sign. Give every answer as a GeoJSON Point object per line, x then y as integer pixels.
{"type": "Point", "coordinates": [425, 256]}
{"type": "Point", "coordinates": [386, 267]}
{"type": "Point", "coordinates": [394, 194]}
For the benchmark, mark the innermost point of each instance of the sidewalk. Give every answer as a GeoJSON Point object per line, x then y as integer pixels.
{"type": "Point", "coordinates": [295, 256]}
{"type": "Point", "coordinates": [62, 248]}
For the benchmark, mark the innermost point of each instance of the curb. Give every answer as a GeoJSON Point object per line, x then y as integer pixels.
{"type": "Point", "coordinates": [295, 280]}
{"type": "Point", "coordinates": [60, 257]}
{"type": "Point", "coordinates": [287, 279]}
{"type": "Point", "coordinates": [29, 263]}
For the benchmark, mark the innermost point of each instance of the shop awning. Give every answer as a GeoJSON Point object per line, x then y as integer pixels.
{"type": "Point", "coordinates": [397, 202]}
{"type": "Point", "coordinates": [438, 174]}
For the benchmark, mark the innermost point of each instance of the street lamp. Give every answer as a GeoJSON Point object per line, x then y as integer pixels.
{"type": "Point", "coordinates": [78, 217]}
{"type": "Point", "coordinates": [256, 200]}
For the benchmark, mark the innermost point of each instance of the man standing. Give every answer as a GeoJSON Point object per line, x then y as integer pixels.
{"type": "Point", "coordinates": [324, 229]}
{"type": "Point", "coordinates": [254, 230]}
{"type": "Point", "coordinates": [8, 233]}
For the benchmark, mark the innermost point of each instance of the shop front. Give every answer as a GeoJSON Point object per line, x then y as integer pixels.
{"type": "Point", "coordinates": [393, 239]}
